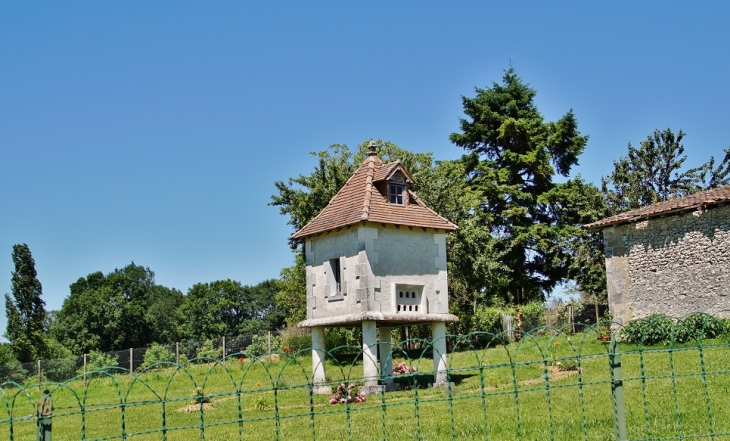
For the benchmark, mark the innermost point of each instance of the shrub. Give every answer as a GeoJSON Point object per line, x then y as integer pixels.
{"type": "Point", "coordinates": [296, 343]}
{"type": "Point", "coordinates": [96, 361]}
{"type": "Point", "coordinates": [261, 403]}
{"type": "Point", "coordinates": [699, 326]}
{"type": "Point", "coordinates": [584, 310]}
{"type": "Point", "coordinates": [487, 320]}
{"type": "Point", "coordinates": [237, 344]}
{"type": "Point", "coordinates": [533, 316]}
{"type": "Point", "coordinates": [157, 353]}
{"type": "Point", "coordinates": [61, 364]}
{"type": "Point", "coordinates": [336, 337]}
{"type": "Point", "coordinates": [13, 371]}
{"type": "Point", "coordinates": [651, 330]}
{"type": "Point", "coordinates": [59, 369]}
{"type": "Point", "coordinates": [201, 398]}
{"type": "Point", "coordinates": [10, 368]}
{"type": "Point", "coordinates": [260, 344]}
{"type": "Point", "coordinates": [207, 350]}
{"type": "Point", "coordinates": [725, 325]}
{"type": "Point", "coordinates": [568, 365]}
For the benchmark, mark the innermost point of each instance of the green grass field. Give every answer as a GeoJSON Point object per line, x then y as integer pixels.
{"type": "Point", "coordinates": [502, 393]}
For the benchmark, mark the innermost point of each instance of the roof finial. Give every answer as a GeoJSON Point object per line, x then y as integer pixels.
{"type": "Point", "coordinates": [372, 150]}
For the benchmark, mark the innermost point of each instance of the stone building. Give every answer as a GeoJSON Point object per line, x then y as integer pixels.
{"type": "Point", "coordinates": [376, 258]}
{"type": "Point", "coordinates": [671, 258]}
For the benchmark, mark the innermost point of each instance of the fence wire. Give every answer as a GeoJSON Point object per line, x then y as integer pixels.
{"type": "Point", "coordinates": [552, 384]}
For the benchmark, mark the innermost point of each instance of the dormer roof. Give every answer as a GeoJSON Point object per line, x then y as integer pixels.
{"type": "Point", "coordinates": [359, 200]}
{"type": "Point", "coordinates": [386, 172]}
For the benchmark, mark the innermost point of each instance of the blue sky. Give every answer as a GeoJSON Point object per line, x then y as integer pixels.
{"type": "Point", "coordinates": [154, 132]}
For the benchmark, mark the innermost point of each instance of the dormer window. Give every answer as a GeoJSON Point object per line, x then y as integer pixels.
{"type": "Point", "coordinates": [397, 190]}
{"type": "Point", "coordinates": [396, 194]}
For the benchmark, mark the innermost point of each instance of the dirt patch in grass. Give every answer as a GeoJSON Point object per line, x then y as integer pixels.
{"type": "Point", "coordinates": [555, 374]}
{"type": "Point", "coordinates": [195, 407]}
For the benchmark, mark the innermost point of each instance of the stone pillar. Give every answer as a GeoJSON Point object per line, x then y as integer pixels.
{"type": "Point", "coordinates": [318, 353]}
{"type": "Point", "coordinates": [438, 330]}
{"type": "Point", "coordinates": [386, 360]}
{"type": "Point", "coordinates": [369, 357]}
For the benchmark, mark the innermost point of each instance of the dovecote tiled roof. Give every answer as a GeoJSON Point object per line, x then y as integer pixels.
{"type": "Point", "coordinates": [361, 201]}
{"type": "Point", "coordinates": [705, 198]}
{"type": "Point", "coordinates": [386, 172]}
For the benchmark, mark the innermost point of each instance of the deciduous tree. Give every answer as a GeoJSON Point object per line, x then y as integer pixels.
{"type": "Point", "coordinates": [655, 172]}
{"type": "Point", "coordinates": [226, 308]}
{"type": "Point", "coordinates": [122, 309]}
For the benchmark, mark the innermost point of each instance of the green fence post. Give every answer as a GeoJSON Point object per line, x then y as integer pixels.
{"type": "Point", "coordinates": [45, 417]}
{"type": "Point", "coordinates": [617, 390]}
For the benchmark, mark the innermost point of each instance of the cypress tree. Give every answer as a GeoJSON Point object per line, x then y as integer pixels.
{"type": "Point", "coordinates": [25, 310]}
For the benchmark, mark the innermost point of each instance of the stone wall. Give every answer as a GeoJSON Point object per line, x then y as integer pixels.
{"type": "Point", "coordinates": [673, 265]}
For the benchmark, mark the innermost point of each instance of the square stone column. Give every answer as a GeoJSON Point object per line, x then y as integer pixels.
{"type": "Point", "coordinates": [386, 361]}
{"type": "Point", "coordinates": [438, 330]}
{"type": "Point", "coordinates": [319, 376]}
{"type": "Point", "coordinates": [369, 357]}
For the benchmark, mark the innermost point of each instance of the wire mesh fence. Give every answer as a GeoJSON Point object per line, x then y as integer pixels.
{"type": "Point", "coordinates": [133, 359]}
{"type": "Point", "coordinates": [552, 383]}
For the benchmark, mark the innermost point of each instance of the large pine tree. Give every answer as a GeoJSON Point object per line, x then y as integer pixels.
{"type": "Point", "coordinates": [26, 309]}
{"type": "Point", "coordinates": [514, 155]}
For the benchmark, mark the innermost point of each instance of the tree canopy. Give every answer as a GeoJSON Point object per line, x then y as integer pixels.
{"type": "Point", "coordinates": [122, 309]}
{"type": "Point", "coordinates": [226, 307]}
{"type": "Point", "coordinates": [655, 172]}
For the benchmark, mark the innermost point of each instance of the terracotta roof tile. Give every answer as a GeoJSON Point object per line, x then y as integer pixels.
{"type": "Point", "coordinates": [359, 200]}
{"type": "Point", "coordinates": [710, 197]}
{"type": "Point", "coordinates": [386, 171]}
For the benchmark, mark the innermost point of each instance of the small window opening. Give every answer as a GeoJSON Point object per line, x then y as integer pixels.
{"type": "Point", "coordinates": [395, 194]}
{"type": "Point", "coordinates": [408, 299]}
{"type": "Point", "coordinates": [336, 276]}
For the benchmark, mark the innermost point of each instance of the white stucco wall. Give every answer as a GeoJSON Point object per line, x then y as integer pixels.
{"type": "Point", "coordinates": [319, 251]}
{"type": "Point", "coordinates": [374, 261]}
{"type": "Point", "coordinates": [412, 259]}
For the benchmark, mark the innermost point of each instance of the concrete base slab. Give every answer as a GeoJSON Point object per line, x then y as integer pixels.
{"type": "Point", "coordinates": [322, 390]}
{"type": "Point", "coordinates": [370, 390]}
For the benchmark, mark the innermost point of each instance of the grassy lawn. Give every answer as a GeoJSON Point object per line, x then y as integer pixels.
{"type": "Point", "coordinates": [504, 392]}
